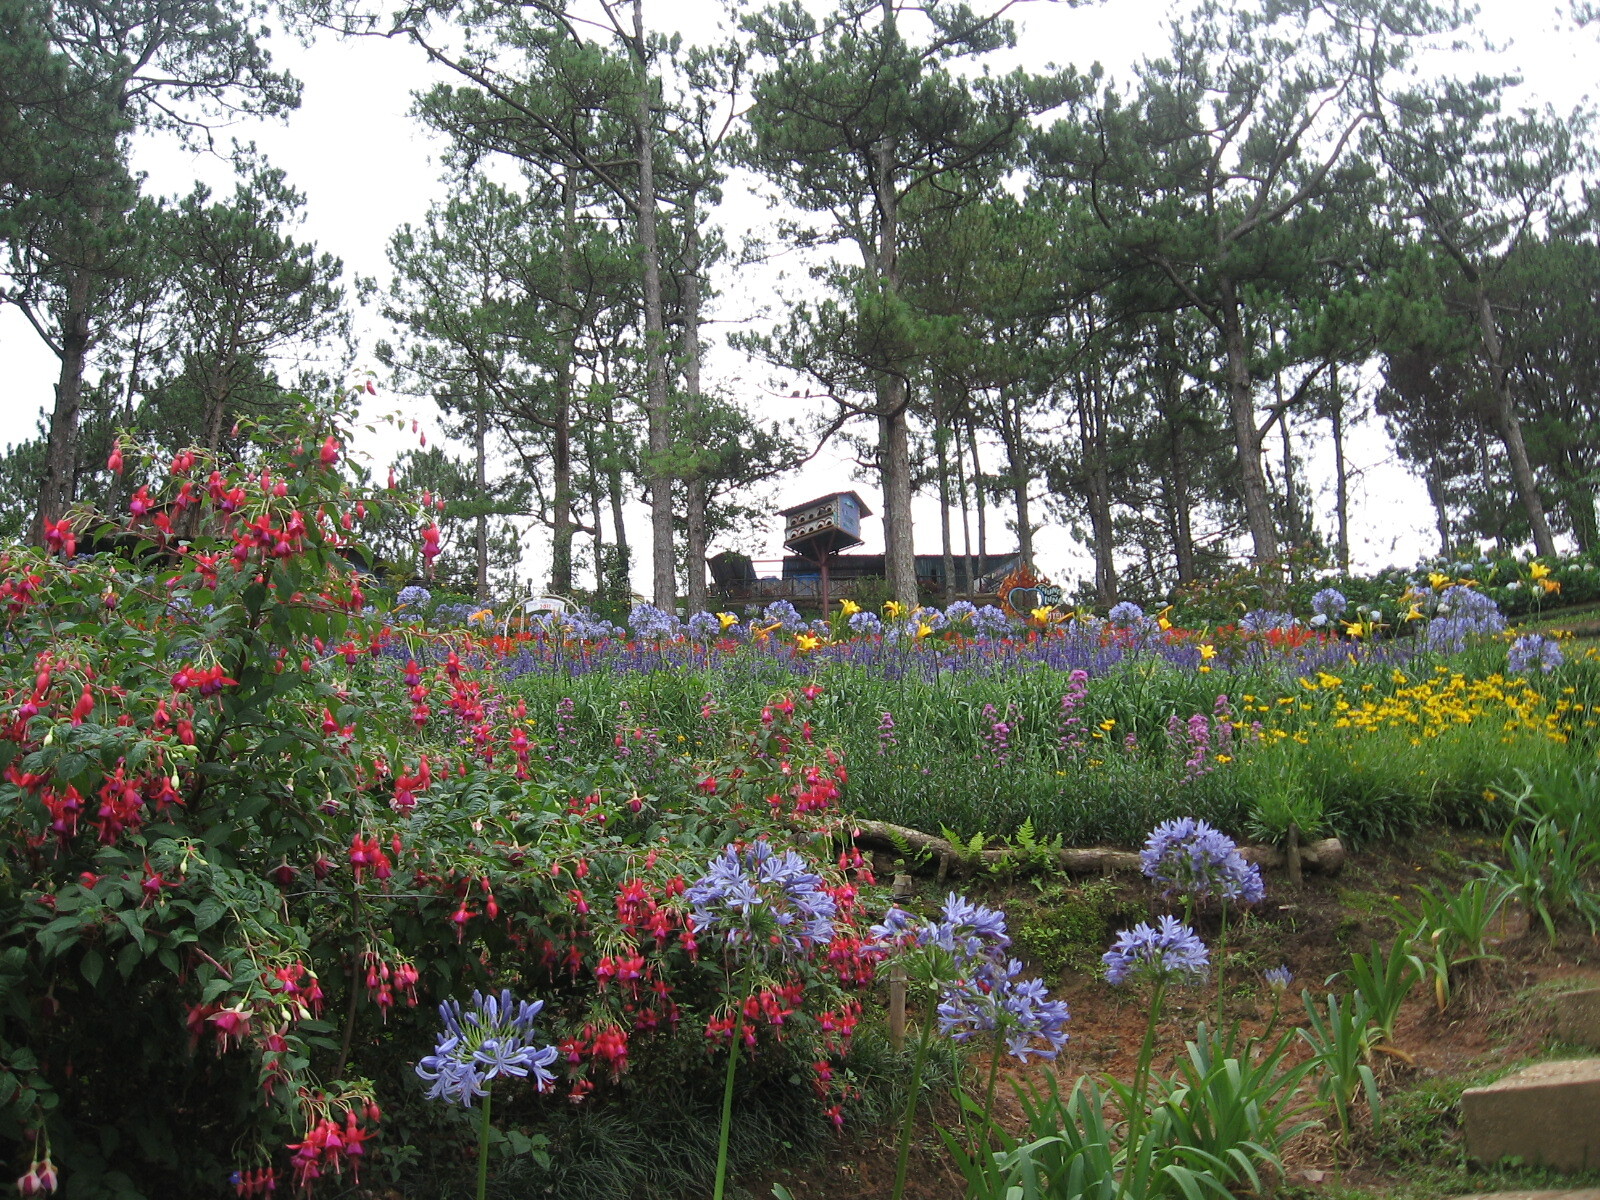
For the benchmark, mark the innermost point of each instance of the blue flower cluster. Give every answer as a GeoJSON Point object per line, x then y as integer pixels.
{"type": "Point", "coordinates": [1462, 613]}
{"type": "Point", "coordinates": [649, 622]}
{"type": "Point", "coordinates": [866, 624]}
{"type": "Point", "coordinates": [980, 991]}
{"type": "Point", "coordinates": [785, 614]}
{"type": "Point", "coordinates": [1263, 620]}
{"type": "Point", "coordinates": [1126, 613]}
{"type": "Point", "coordinates": [703, 627]}
{"type": "Point", "coordinates": [494, 1037]}
{"type": "Point", "coordinates": [1327, 605]}
{"type": "Point", "coordinates": [754, 895]}
{"type": "Point", "coordinates": [994, 1000]}
{"type": "Point", "coordinates": [1159, 955]}
{"type": "Point", "coordinates": [1534, 650]}
{"type": "Point", "coordinates": [1196, 860]}
{"type": "Point", "coordinates": [412, 596]}
{"type": "Point", "coordinates": [1278, 979]}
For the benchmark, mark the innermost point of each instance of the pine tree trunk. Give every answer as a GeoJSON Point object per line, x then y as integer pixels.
{"type": "Point", "coordinates": [1341, 473]}
{"type": "Point", "coordinates": [480, 533]}
{"type": "Point", "coordinates": [663, 559]}
{"type": "Point", "coordinates": [698, 597]}
{"type": "Point", "coordinates": [977, 491]}
{"type": "Point", "coordinates": [1097, 487]}
{"type": "Point", "coordinates": [1441, 512]}
{"type": "Point", "coordinates": [966, 515]}
{"type": "Point", "coordinates": [1253, 490]}
{"type": "Point", "coordinates": [946, 545]}
{"type": "Point", "coordinates": [1505, 413]}
{"type": "Point", "coordinates": [561, 492]}
{"type": "Point", "coordinates": [61, 453]}
{"type": "Point", "coordinates": [1178, 501]}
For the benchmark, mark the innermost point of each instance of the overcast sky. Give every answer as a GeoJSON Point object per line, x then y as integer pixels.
{"type": "Point", "coordinates": [367, 169]}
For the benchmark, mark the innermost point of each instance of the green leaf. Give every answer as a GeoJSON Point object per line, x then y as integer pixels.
{"type": "Point", "coordinates": [92, 966]}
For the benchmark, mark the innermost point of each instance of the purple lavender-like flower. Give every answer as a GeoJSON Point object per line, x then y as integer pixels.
{"type": "Point", "coordinates": [755, 894]}
{"type": "Point", "coordinates": [887, 739]}
{"type": "Point", "coordinates": [492, 1038]}
{"type": "Point", "coordinates": [1194, 859]}
{"type": "Point", "coordinates": [990, 621]}
{"type": "Point", "coordinates": [993, 1000]}
{"type": "Point", "coordinates": [1171, 952]}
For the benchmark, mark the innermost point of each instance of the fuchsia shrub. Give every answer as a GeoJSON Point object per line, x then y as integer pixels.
{"type": "Point", "coordinates": [253, 832]}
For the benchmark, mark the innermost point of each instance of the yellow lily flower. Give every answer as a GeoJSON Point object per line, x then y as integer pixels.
{"type": "Point", "coordinates": [1437, 581]}
{"type": "Point", "coordinates": [728, 620]}
{"type": "Point", "coordinates": [1041, 615]}
{"type": "Point", "coordinates": [806, 641]}
{"type": "Point", "coordinates": [849, 607]}
{"type": "Point", "coordinates": [1357, 628]}
{"type": "Point", "coordinates": [923, 629]}
{"type": "Point", "coordinates": [1207, 651]}
{"type": "Point", "coordinates": [894, 608]}
{"type": "Point", "coordinates": [1538, 570]}
{"type": "Point", "coordinates": [1412, 614]}
{"type": "Point", "coordinates": [1550, 585]}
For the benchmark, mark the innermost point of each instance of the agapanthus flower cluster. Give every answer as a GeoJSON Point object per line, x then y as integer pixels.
{"type": "Point", "coordinates": [492, 1038]}
{"type": "Point", "coordinates": [866, 624]}
{"type": "Point", "coordinates": [651, 623]}
{"type": "Point", "coordinates": [1278, 979]}
{"type": "Point", "coordinates": [1534, 650]}
{"type": "Point", "coordinates": [704, 627]}
{"type": "Point", "coordinates": [963, 952]}
{"type": "Point", "coordinates": [960, 611]}
{"type": "Point", "coordinates": [412, 596]}
{"type": "Point", "coordinates": [783, 613]}
{"type": "Point", "coordinates": [755, 897]}
{"type": "Point", "coordinates": [1462, 613]}
{"type": "Point", "coordinates": [990, 621]}
{"type": "Point", "coordinates": [1195, 860]}
{"type": "Point", "coordinates": [1265, 620]}
{"type": "Point", "coordinates": [1327, 605]}
{"type": "Point", "coordinates": [1168, 953]}
{"type": "Point", "coordinates": [994, 1001]}
{"type": "Point", "coordinates": [1125, 613]}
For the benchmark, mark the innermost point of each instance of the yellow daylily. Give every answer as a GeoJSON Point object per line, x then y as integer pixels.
{"type": "Point", "coordinates": [1041, 615]}
{"type": "Point", "coordinates": [806, 641]}
{"type": "Point", "coordinates": [1413, 613]}
{"type": "Point", "coordinates": [1437, 581]}
{"type": "Point", "coordinates": [1357, 628]}
{"type": "Point", "coordinates": [923, 629]}
{"type": "Point", "coordinates": [849, 607]}
{"type": "Point", "coordinates": [1207, 651]}
{"type": "Point", "coordinates": [894, 608]}
{"type": "Point", "coordinates": [728, 620]}
{"type": "Point", "coordinates": [1550, 585]}
{"type": "Point", "coordinates": [1538, 570]}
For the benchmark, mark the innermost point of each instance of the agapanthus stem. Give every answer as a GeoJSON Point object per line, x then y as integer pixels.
{"type": "Point", "coordinates": [1140, 1101]}
{"type": "Point", "coordinates": [988, 1100]}
{"type": "Point", "coordinates": [483, 1147]}
{"type": "Point", "coordinates": [915, 1094]}
{"type": "Point", "coordinates": [727, 1114]}
{"type": "Point", "coordinates": [1222, 961]}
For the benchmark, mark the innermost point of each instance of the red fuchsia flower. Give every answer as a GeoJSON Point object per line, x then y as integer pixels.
{"type": "Point", "coordinates": [114, 460]}
{"type": "Point", "coordinates": [230, 1025]}
{"type": "Point", "coordinates": [41, 1179]}
{"type": "Point", "coordinates": [140, 502]}
{"type": "Point", "coordinates": [330, 451]}
{"type": "Point", "coordinates": [58, 536]}
{"type": "Point", "coordinates": [84, 707]}
{"type": "Point", "coordinates": [182, 463]}
{"type": "Point", "coordinates": [255, 1182]}
{"type": "Point", "coordinates": [430, 543]}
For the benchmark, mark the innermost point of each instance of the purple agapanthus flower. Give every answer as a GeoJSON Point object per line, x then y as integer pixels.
{"type": "Point", "coordinates": [490, 1039]}
{"type": "Point", "coordinates": [1534, 650]}
{"type": "Point", "coordinates": [1278, 979]}
{"type": "Point", "coordinates": [1126, 613]}
{"type": "Point", "coordinates": [1170, 952]}
{"type": "Point", "coordinates": [1194, 859]}
{"type": "Point", "coordinates": [704, 627]}
{"type": "Point", "coordinates": [649, 622]}
{"type": "Point", "coordinates": [752, 895]}
{"type": "Point", "coordinates": [993, 1000]}
{"type": "Point", "coordinates": [1328, 604]}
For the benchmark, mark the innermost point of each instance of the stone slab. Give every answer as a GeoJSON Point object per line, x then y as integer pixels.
{"type": "Point", "coordinates": [1578, 1018]}
{"type": "Point", "coordinates": [1547, 1114]}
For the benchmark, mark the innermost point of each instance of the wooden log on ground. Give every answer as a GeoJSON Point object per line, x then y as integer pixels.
{"type": "Point", "coordinates": [1325, 857]}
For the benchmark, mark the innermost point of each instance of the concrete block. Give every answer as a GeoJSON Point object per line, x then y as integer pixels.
{"type": "Point", "coordinates": [1578, 1018]}
{"type": "Point", "coordinates": [1545, 1115]}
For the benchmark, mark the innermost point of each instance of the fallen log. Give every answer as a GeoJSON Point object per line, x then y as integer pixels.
{"type": "Point", "coordinates": [1325, 857]}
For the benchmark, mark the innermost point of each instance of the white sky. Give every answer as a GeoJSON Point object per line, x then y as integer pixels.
{"type": "Point", "coordinates": [367, 168]}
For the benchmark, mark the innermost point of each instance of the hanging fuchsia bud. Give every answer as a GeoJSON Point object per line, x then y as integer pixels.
{"type": "Point", "coordinates": [330, 451]}
{"type": "Point", "coordinates": [114, 462]}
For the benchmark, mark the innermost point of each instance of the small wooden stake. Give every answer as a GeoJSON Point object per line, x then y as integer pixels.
{"type": "Point", "coordinates": [897, 1006]}
{"type": "Point", "coordinates": [1291, 854]}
